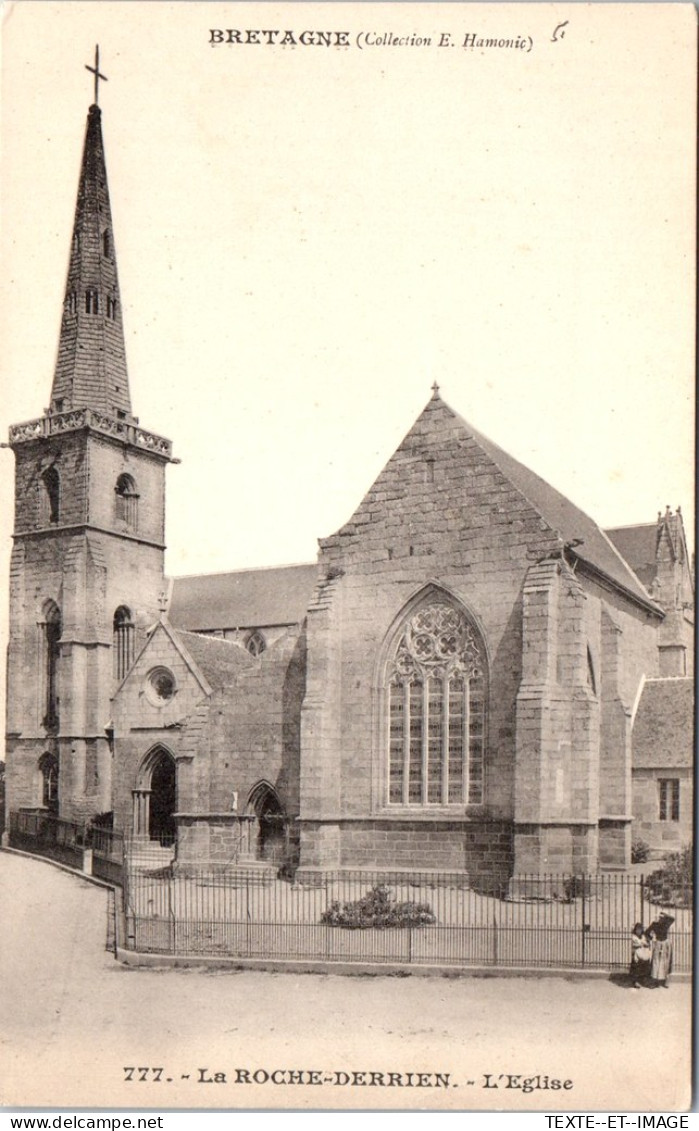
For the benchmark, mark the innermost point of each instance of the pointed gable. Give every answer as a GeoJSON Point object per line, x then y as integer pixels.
{"type": "Point", "coordinates": [440, 432]}
{"type": "Point", "coordinates": [91, 365]}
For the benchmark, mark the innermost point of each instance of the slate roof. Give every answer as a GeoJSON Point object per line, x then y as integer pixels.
{"type": "Point", "coordinates": [249, 598]}
{"type": "Point", "coordinates": [219, 661]}
{"type": "Point", "coordinates": [596, 549]}
{"type": "Point", "coordinates": [663, 729]}
{"type": "Point", "coordinates": [637, 546]}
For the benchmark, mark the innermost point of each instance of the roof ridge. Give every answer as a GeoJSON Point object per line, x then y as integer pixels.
{"type": "Point", "coordinates": [632, 526]}
{"type": "Point", "coordinates": [246, 569]}
{"type": "Point", "coordinates": [209, 636]}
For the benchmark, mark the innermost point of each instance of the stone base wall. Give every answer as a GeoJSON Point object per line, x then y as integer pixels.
{"type": "Point", "coordinates": [614, 844]}
{"type": "Point", "coordinates": [84, 769]}
{"type": "Point", "coordinates": [560, 848]}
{"type": "Point", "coordinates": [480, 848]}
{"type": "Point", "coordinates": [216, 838]}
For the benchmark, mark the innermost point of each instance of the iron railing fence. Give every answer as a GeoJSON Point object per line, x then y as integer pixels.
{"type": "Point", "coordinates": [44, 834]}
{"type": "Point", "coordinates": [429, 918]}
{"type": "Point", "coordinates": [392, 917]}
{"type": "Point", "coordinates": [108, 853]}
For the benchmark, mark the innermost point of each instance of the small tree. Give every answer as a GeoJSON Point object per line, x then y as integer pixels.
{"type": "Point", "coordinates": [672, 885]}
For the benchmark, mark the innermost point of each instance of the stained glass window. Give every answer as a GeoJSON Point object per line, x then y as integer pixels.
{"type": "Point", "coordinates": [436, 706]}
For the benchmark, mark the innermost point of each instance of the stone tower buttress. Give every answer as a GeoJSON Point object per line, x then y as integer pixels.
{"type": "Point", "coordinates": [87, 568]}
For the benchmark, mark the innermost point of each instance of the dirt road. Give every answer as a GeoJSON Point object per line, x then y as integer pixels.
{"type": "Point", "coordinates": [73, 1020]}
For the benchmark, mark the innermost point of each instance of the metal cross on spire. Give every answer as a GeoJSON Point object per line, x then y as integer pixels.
{"type": "Point", "coordinates": [96, 72]}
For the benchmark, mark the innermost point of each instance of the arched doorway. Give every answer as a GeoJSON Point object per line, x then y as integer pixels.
{"type": "Point", "coordinates": [155, 798]}
{"type": "Point", "coordinates": [269, 838]}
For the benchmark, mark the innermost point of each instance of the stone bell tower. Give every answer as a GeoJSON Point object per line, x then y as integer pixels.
{"type": "Point", "coordinates": [87, 561]}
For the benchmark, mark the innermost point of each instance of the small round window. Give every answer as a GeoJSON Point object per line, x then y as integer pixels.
{"type": "Point", "coordinates": [160, 686]}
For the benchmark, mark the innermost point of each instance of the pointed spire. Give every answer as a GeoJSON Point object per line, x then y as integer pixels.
{"type": "Point", "coordinates": [91, 366]}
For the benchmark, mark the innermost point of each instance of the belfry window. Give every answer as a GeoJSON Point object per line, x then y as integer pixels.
{"type": "Point", "coordinates": [92, 302]}
{"type": "Point", "coordinates": [111, 308]}
{"type": "Point", "coordinates": [50, 497]}
{"type": "Point", "coordinates": [436, 683]}
{"type": "Point", "coordinates": [51, 647]}
{"type": "Point", "coordinates": [122, 642]}
{"type": "Point", "coordinates": [107, 244]}
{"type": "Point", "coordinates": [126, 501]}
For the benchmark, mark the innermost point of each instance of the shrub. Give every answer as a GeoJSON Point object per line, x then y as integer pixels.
{"type": "Point", "coordinates": [672, 885]}
{"type": "Point", "coordinates": [377, 909]}
{"type": "Point", "coordinates": [640, 851]}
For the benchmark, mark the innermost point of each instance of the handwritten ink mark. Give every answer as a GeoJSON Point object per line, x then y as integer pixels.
{"type": "Point", "coordinates": [559, 28]}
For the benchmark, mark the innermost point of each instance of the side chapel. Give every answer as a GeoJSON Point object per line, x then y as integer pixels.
{"type": "Point", "coordinates": [472, 676]}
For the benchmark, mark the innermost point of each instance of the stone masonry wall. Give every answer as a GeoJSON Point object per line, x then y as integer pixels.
{"type": "Point", "coordinates": [224, 742]}
{"type": "Point", "coordinates": [441, 518]}
{"type": "Point", "coordinates": [140, 726]}
{"type": "Point", "coordinates": [108, 461]}
{"type": "Point", "coordinates": [661, 836]}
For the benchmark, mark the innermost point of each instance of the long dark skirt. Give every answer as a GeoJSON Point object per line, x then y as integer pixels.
{"type": "Point", "coordinates": [639, 970]}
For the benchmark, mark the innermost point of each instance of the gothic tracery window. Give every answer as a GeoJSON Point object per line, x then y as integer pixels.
{"type": "Point", "coordinates": [256, 643]}
{"type": "Point", "coordinates": [436, 702]}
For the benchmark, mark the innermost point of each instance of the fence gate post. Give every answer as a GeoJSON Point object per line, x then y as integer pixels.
{"type": "Point", "coordinates": [171, 915]}
{"type": "Point", "coordinates": [641, 918]}
{"type": "Point", "coordinates": [584, 923]}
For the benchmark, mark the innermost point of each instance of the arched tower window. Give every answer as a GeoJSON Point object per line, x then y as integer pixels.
{"type": "Point", "coordinates": [126, 501]}
{"type": "Point", "coordinates": [48, 766]}
{"type": "Point", "coordinates": [50, 497]}
{"type": "Point", "coordinates": [51, 646]}
{"type": "Point", "coordinates": [436, 685]}
{"type": "Point", "coordinates": [122, 642]}
{"type": "Point", "coordinates": [256, 643]}
{"type": "Point", "coordinates": [107, 244]}
{"type": "Point", "coordinates": [92, 303]}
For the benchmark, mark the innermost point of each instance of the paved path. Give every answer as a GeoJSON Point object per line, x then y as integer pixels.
{"type": "Point", "coordinates": [73, 1019]}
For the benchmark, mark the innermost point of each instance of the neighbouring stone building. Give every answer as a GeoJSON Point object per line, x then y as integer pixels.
{"type": "Point", "coordinates": [472, 676]}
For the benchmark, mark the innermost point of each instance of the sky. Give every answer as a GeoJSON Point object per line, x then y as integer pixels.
{"type": "Point", "coordinates": [308, 237]}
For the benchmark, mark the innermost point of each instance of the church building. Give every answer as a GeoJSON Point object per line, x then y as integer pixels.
{"type": "Point", "coordinates": [472, 676]}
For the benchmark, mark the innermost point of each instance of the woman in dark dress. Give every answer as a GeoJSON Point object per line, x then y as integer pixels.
{"type": "Point", "coordinates": [661, 947]}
